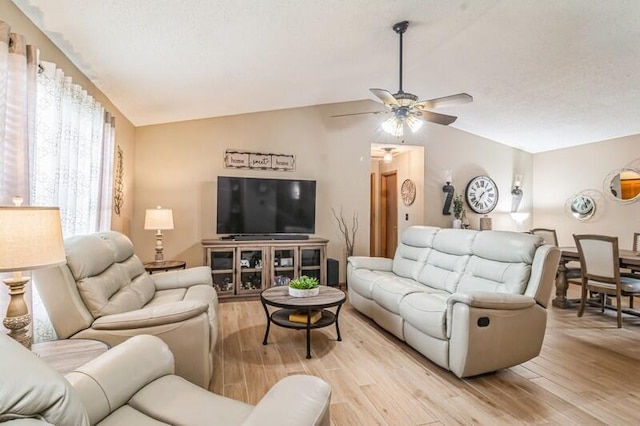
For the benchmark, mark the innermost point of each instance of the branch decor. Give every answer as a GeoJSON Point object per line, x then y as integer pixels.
{"type": "Point", "coordinates": [348, 231]}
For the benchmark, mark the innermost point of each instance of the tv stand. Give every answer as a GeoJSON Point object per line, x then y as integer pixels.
{"type": "Point", "coordinates": [244, 265]}
{"type": "Point", "coordinates": [265, 237]}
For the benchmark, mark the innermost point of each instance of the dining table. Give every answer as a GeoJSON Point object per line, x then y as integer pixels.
{"type": "Point", "coordinates": [627, 259]}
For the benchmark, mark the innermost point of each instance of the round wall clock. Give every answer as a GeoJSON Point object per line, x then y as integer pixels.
{"type": "Point", "coordinates": [408, 192]}
{"type": "Point", "coordinates": [481, 194]}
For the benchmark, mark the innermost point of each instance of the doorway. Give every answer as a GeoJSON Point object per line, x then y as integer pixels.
{"type": "Point", "coordinates": [388, 213]}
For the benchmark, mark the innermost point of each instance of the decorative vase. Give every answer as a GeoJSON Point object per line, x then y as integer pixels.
{"type": "Point", "coordinates": [295, 292]}
{"type": "Point", "coordinates": [457, 224]}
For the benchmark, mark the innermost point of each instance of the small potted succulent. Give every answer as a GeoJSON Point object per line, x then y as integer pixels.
{"type": "Point", "coordinates": [304, 286]}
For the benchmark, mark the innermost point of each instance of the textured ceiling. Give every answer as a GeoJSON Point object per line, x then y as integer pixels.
{"type": "Point", "coordinates": [544, 74]}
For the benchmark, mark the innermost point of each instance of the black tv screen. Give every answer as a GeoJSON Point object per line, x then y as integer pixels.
{"type": "Point", "coordinates": [266, 206]}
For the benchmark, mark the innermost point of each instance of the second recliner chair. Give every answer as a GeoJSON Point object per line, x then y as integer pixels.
{"type": "Point", "coordinates": [103, 292]}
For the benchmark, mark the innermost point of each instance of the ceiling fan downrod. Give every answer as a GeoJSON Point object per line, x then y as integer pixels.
{"type": "Point", "coordinates": [400, 28]}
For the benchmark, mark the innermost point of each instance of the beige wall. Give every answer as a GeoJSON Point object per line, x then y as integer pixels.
{"type": "Point", "coordinates": [177, 164]}
{"type": "Point", "coordinates": [125, 131]}
{"type": "Point", "coordinates": [560, 174]}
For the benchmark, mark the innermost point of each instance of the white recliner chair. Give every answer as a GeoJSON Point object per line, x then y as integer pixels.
{"type": "Point", "coordinates": [103, 292]}
{"type": "Point", "coordinates": [134, 384]}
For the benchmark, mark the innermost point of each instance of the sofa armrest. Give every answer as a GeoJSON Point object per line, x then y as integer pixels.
{"type": "Point", "coordinates": [491, 300]}
{"type": "Point", "coordinates": [311, 394]}
{"type": "Point", "coordinates": [182, 278]}
{"type": "Point", "coordinates": [371, 263]}
{"type": "Point", "coordinates": [152, 316]}
{"type": "Point", "coordinates": [110, 380]}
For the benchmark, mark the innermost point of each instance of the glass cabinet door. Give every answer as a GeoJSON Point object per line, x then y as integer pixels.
{"type": "Point", "coordinates": [221, 262]}
{"type": "Point", "coordinates": [284, 261]}
{"type": "Point", "coordinates": [251, 275]}
{"type": "Point", "coordinates": [311, 262]}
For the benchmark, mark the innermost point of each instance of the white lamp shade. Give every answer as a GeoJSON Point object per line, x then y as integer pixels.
{"type": "Point", "coordinates": [519, 217]}
{"type": "Point", "coordinates": [158, 219]}
{"type": "Point", "coordinates": [30, 238]}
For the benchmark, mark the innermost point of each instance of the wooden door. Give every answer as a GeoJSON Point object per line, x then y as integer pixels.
{"type": "Point", "coordinates": [373, 229]}
{"type": "Point", "coordinates": [389, 214]}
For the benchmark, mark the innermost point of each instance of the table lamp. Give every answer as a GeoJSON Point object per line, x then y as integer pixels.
{"type": "Point", "coordinates": [159, 219]}
{"type": "Point", "coordinates": [30, 238]}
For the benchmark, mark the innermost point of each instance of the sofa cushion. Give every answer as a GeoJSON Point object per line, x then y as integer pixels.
{"type": "Point", "coordinates": [505, 246]}
{"type": "Point", "coordinates": [443, 270]}
{"type": "Point", "coordinates": [426, 312]}
{"type": "Point", "coordinates": [501, 262]}
{"type": "Point", "coordinates": [362, 280]}
{"type": "Point", "coordinates": [489, 275]}
{"type": "Point", "coordinates": [413, 250]}
{"type": "Point", "coordinates": [389, 291]}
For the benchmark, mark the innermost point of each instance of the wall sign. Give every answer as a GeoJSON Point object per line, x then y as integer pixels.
{"type": "Point", "coordinates": [259, 161]}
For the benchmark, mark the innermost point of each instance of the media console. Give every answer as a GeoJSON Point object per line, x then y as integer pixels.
{"type": "Point", "coordinates": [264, 237]}
{"type": "Point", "coordinates": [242, 267]}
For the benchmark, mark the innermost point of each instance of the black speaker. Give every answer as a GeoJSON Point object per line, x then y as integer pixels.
{"type": "Point", "coordinates": [333, 272]}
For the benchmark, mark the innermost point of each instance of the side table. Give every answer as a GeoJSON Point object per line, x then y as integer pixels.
{"type": "Point", "coordinates": [68, 354]}
{"type": "Point", "coordinates": [165, 266]}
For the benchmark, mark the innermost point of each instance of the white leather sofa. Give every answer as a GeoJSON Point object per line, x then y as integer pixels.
{"type": "Point", "coordinates": [471, 301]}
{"type": "Point", "coordinates": [134, 384]}
{"type": "Point", "coordinates": [103, 292]}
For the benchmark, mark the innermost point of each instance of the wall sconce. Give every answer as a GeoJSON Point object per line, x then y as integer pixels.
{"type": "Point", "coordinates": [516, 193]}
{"type": "Point", "coordinates": [158, 219]}
{"type": "Point", "coordinates": [388, 156]}
{"type": "Point", "coordinates": [449, 190]}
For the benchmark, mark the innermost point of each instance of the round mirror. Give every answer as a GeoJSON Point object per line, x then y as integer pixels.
{"type": "Point", "coordinates": [624, 185]}
{"type": "Point", "coordinates": [583, 207]}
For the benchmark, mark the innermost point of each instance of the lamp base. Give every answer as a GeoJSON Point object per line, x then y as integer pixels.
{"type": "Point", "coordinates": [18, 318]}
{"type": "Point", "coordinates": [159, 260]}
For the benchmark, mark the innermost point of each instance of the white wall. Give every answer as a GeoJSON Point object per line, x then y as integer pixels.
{"type": "Point", "coordinates": [562, 173]}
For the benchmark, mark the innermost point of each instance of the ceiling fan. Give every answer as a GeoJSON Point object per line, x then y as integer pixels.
{"type": "Point", "coordinates": [406, 108]}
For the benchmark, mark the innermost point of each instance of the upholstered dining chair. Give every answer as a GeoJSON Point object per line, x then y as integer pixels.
{"type": "Point", "coordinates": [601, 272]}
{"type": "Point", "coordinates": [550, 237]}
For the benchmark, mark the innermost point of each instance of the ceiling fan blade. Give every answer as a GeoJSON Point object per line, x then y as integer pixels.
{"type": "Point", "coordinates": [386, 97]}
{"type": "Point", "coordinates": [458, 99]}
{"type": "Point", "coordinates": [437, 118]}
{"type": "Point", "coordinates": [360, 113]}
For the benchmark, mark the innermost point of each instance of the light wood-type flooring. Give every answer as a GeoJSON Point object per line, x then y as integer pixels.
{"type": "Point", "coordinates": [588, 372]}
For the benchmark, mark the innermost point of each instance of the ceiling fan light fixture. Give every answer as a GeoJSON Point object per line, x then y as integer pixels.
{"type": "Point", "coordinates": [393, 126]}
{"type": "Point", "coordinates": [413, 123]}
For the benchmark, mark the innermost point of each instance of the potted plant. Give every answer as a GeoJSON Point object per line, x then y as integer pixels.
{"type": "Point", "coordinates": [304, 286]}
{"type": "Point", "coordinates": [457, 211]}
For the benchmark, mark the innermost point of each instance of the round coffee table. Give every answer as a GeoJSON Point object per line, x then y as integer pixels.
{"type": "Point", "coordinates": [279, 298]}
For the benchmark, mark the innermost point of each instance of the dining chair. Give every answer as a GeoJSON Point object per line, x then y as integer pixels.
{"type": "Point", "coordinates": [550, 237]}
{"type": "Point", "coordinates": [599, 263]}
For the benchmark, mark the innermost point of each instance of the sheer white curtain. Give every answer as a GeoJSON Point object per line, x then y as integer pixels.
{"type": "Point", "coordinates": [72, 159]}
{"type": "Point", "coordinates": [18, 66]}
{"type": "Point", "coordinates": [71, 163]}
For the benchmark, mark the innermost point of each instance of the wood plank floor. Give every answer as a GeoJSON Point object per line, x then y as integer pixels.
{"type": "Point", "coordinates": [588, 372]}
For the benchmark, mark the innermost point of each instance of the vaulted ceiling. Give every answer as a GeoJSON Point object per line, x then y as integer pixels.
{"type": "Point", "coordinates": [544, 74]}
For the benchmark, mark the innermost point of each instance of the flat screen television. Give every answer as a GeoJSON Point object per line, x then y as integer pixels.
{"type": "Point", "coordinates": [265, 206]}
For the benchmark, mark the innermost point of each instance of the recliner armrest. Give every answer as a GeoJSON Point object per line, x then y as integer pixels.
{"type": "Point", "coordinates": [491, 300]}
{"type": "Point", "coordinates": [110, 380]}
{"type": "Point", "coordinates": [152, 316]}
{"type": "Point", "coordinates": [304, 399]}
{"type": "Point", "coordinates": [371, 263]}
{"type": "Point", "coordinates": [182, 278]}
